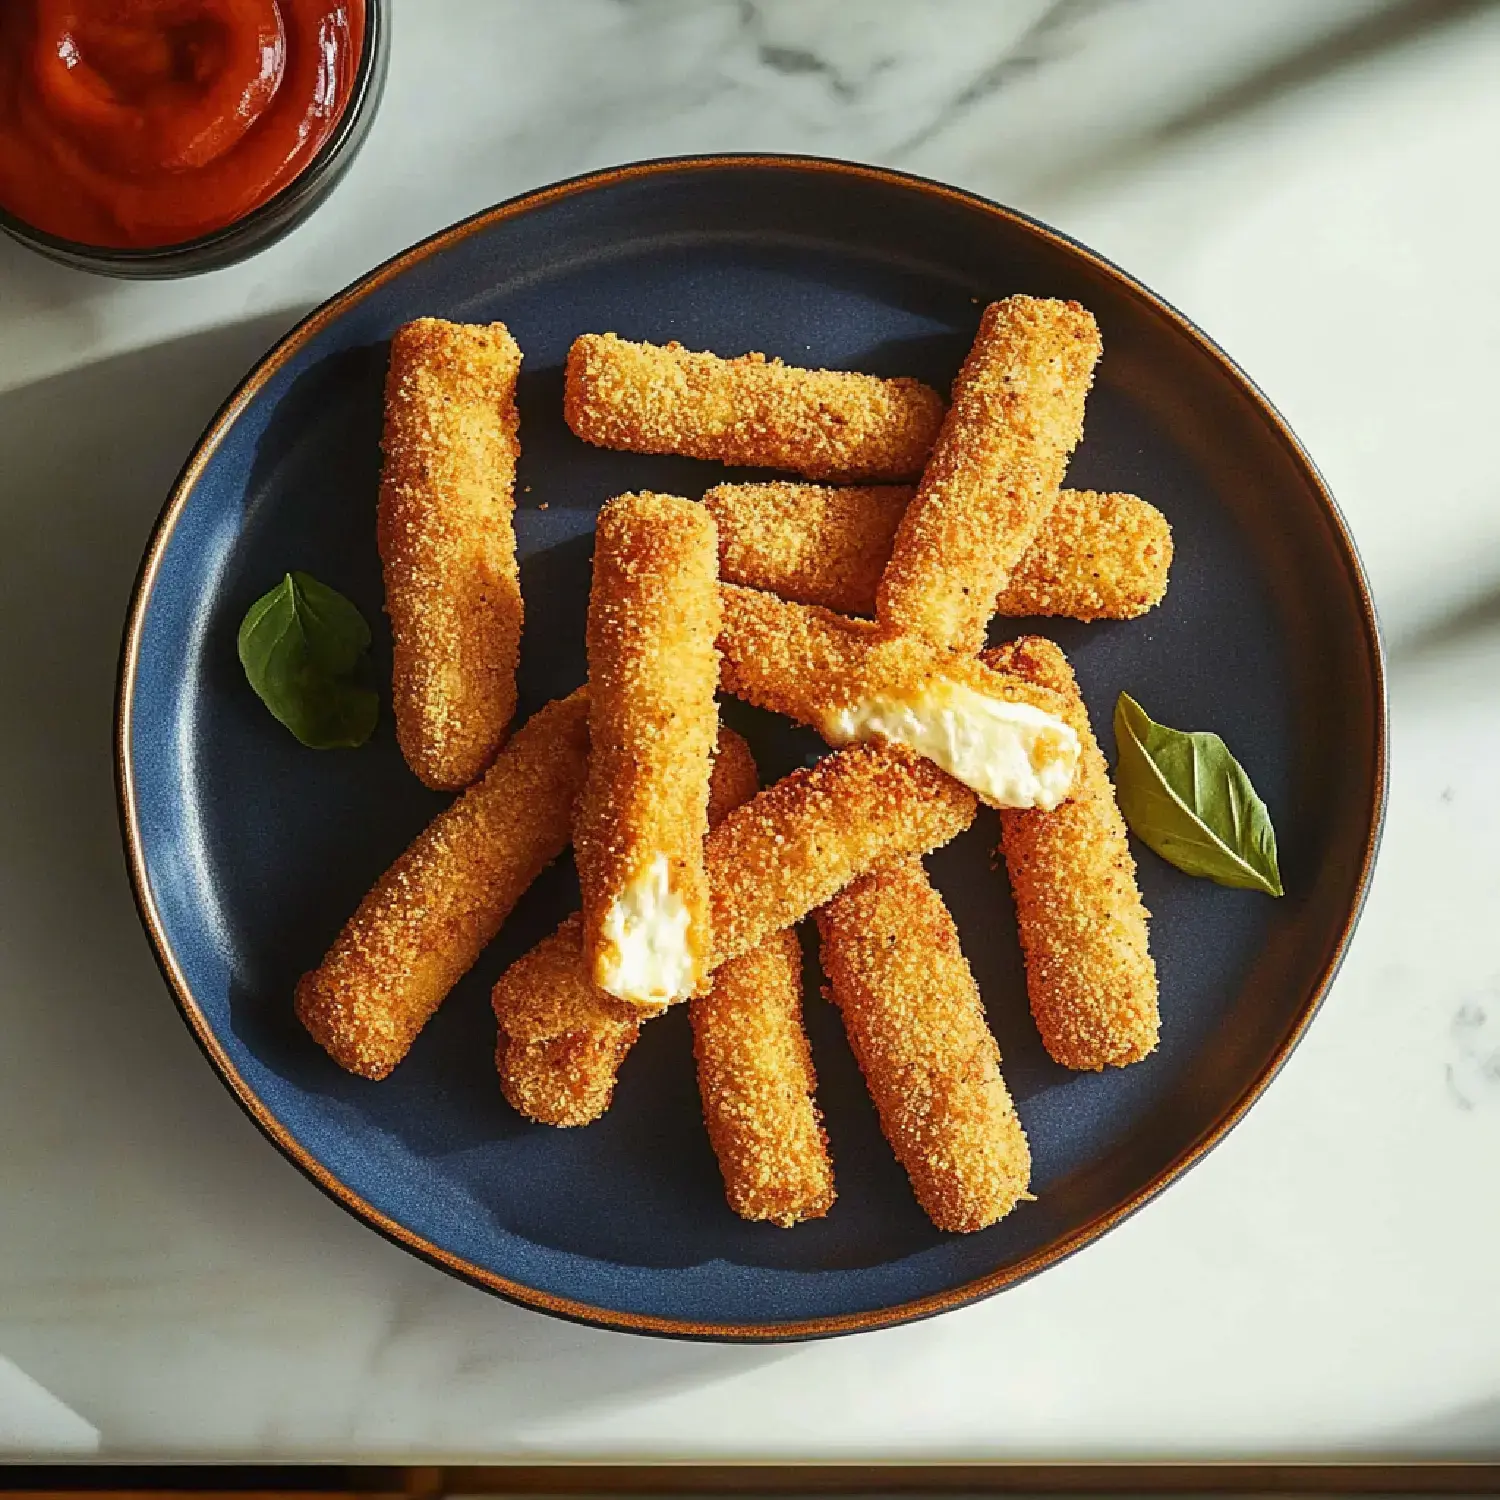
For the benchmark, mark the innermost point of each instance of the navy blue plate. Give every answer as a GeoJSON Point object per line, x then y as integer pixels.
{"type": "Point", "coordinates": [248, 851]}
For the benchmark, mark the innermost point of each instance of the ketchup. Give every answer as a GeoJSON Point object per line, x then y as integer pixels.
{"type": "Point", "coordinates": [140, 123]}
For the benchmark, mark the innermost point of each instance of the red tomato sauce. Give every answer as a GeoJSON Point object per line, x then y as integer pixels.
{"type": "Point", "coordinates": [140, 123]}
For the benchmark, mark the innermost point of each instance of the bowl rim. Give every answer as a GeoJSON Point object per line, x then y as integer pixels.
{"type": "Point", "coordinates": [570, 1308]}
{"type": "Point", "coordinates": [262, 225]}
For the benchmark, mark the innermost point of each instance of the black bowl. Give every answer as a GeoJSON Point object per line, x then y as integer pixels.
{"type": "Point", "coordinates": [262, 226]}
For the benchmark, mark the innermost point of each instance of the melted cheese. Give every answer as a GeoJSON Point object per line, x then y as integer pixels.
{"type": "Point", "coordinates": [1008, 754]}
{"type": "Point", "coordinates": [645, 956]}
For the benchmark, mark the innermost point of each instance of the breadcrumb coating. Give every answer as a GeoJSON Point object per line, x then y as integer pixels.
{"type": "Point", "coordinates": [448, 544]}
{"type": "Point", "coordinates": [548, 993]}
{"type": "Point", "coordinates": [653, 668]}
{"type": "Point", "coordinates": [756, 1080]}
{"type": "Point", "coordinates": [826, 424]}
{"type": "Point", "coordinates": [1098, 557]}
{"type": "Point", "coordinates": [564, 1080]}
{"type": "Point", "coordinates": [770, 862]}
{"type": "Point", "coordinates": [755, 1069]}
{"type": "Point", "coordinates": [810, 664]}
{"type": "Point", "coordinates": [917, 1027]}
{"type": "Point", "coordinates": [805, 838]}
{"type": "Point", "coordinates": [811, 543]}
{"type": "Point", "coordinates": [434, 911]}
{"type": "Point", "coordinates": [1082, 923]}
{"type": "Point", "coordinates": [735, 779]}
{"type": "Point", "coordinates": [562, 1039]}
{"type": "Point", "coordinates": [995, 469]}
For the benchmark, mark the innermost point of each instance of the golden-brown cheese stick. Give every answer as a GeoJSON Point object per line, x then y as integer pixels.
{"type": "Point", "coordinates": [641, 821]}
{"type": "Point", "coordinates": [1099, 556]}
{"type": "Point", "coordinates": [917, 1027]}
{"type": "Point", "coordinates": [562, 1039]}
{"type": "Point", "coordinates": [804, 839]}
{"type": "Point", "coordinates": [735, 780]}
{"type": "Point", "coordinates": [432, 913]}
{"type": "Point", "coordinates": [826, 424]}
{"type": "Point", "coordinates": [547, 992]}
{"type": "Point", "coordinates": [565, 1080]}
{"type": "Point", "coordinates": [995, 469]}
{"type": "Point", "coordinates": [852, 680]}
{"type": "Point", "coordinates": [770, 863]}
{"type": "Point", "coordinates": [1082, 923]}
{"type": "Point", "coordinates": [755, 1069]}
{"type": "Point", "coordinates": [811, 543]}
{"type": "Point", "coordinates": [448, 543]}
{"type": "Point", "coordinates": [756, 1079]}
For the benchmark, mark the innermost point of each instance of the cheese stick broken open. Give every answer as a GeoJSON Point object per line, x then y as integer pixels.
{"type": "Point", "coordinates": [640, 824]}
{"type": "Point", "coordinates": [1097, 557]}
{"type": "Point", "coordinates": [562, 1039]}
{"type": "Point", "coordinates": [1005, 738]}
{"type": "Point", "coordinates": [769, 863]}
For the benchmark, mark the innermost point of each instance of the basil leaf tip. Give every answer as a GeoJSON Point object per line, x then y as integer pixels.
{"type": "Point", "coordinates": [304, 648]}
{"type": "Point", "coordinates": [1186, 797]}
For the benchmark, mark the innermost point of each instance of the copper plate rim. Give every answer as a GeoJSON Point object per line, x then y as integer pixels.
{"type": "Point", "coordinates": [565, 1307]}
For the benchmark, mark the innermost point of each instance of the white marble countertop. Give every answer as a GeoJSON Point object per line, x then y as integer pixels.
{"type": "Point", "coordinates": [1315, 185]}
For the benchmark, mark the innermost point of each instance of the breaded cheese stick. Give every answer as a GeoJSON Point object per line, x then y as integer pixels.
{"type": "Point", "coordinates": [641, 821]}
{"type": "Point", "coordinates": [1082, 923]}
{"type": "Point", "coordinates": [448, 544]}
{"type": "Point", "coordinates": [567, 1079]}
{"type": "Point", "coordinates": [852, 680]}
{"type": "Point", "coordinates": [1098, 557]}
{"type": "Point", "coordinates": [770, 863]}
{"type": "Point", "coordinates": [735, 780]}
{"type": "Point", "coordinates": [562, 1039]}
{"type": "Point", "coordinates": [917, 1027]}
{"type": "Point", "coordinates": [756, 1080]}
{"type": "Point", "coordinates": [811, 543]}
{"type": "Point", "coordinates": [995, 470]}
{"type": "Point", "coordinates": [433, 912]}
{"type": "Point", "coordinates": [755, 1068]}
{"type": "Point", "coordinates": [826, 424]}
{"type": "Point", "coordinates": [805, 838]}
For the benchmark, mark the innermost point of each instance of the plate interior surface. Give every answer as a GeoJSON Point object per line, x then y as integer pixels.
{"type": "Point", "coordinates": [251, 850]}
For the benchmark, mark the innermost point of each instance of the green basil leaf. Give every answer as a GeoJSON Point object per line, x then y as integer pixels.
{"type": "Point", "coordinates": [304, 650]}
{"type": "Point", "coordinates": [1189, 799]}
